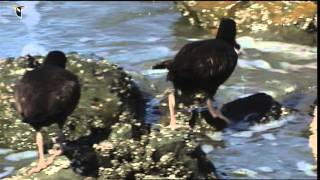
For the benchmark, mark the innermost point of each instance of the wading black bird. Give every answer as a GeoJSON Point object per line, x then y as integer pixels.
{"type": "Point", "coordinates": [203, 66]}
{"type": "Point", "coordinates": [47, 95]}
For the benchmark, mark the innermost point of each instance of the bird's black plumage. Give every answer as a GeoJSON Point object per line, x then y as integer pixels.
{"type": "Point", "coordinates": [204, 65]}
{"type": "Point", "coordinates": [47, 94]}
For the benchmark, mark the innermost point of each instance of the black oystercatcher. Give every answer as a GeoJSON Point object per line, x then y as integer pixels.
{"type": "Point", "coordinates": [203, 66]}
{"type": "Point", "coordinates": [47, 95]}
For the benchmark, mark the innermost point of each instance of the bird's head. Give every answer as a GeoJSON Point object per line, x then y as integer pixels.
{"type": "Point", "coordinates": [56, 58]}
{"type": "Point", "coordinates": [227, 31]}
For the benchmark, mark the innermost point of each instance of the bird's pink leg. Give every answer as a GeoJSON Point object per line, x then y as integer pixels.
{"type": "Point", "coordinates": [41, 162]}
{"type": "Point", "coordinates": [172, 103]}
{"type": "Point", "coordinates": [215, 112]}
{"type": "Point", "coordinates": [58, 151]}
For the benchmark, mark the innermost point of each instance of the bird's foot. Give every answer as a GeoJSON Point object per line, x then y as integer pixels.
{"type": "Point", "coordinates": [41, 165]}
{"type": "Point", "coordinates": [54, 154]}
{"type": "Point", "coordinates": [172, 126]}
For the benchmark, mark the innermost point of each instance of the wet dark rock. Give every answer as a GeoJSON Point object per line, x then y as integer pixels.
{"type": "Point", "coordinates": [204, 165]}
{"type": "Point", "coordinates": [242, 112]}
{"type": "Point", "coordinates": [108, 95]}
{"type": "Point", "coordinates": [293, 21]}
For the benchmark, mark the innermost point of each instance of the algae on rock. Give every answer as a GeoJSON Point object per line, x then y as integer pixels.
{"type": "Point", "coordinates": [107, 93]}
{"type": "Point", "coordinates": [276, 20]}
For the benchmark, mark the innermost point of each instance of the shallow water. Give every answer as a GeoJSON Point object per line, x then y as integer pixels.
{"type": "Point", "coordinates": [139, 34]}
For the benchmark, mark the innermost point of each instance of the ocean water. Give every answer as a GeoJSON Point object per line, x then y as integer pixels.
{"type": "Point", "coordinates": [136, 35]}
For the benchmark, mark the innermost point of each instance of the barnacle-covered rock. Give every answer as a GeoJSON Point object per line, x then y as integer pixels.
{"type": "Point", "coordinates": [106, 138]}
{"type": "Point", "coordinates": [287, 20]}
{"type": "Point", "coordinates": [107, 95]}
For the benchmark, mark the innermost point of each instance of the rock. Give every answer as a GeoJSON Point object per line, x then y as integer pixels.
{"type": "Point", "coordinates": [161, 153]}
{"type": "Point", "coordinates": [108, 96]}
{"type": "Point", "coordinates": [58, 170]}
{"type": "Point", "coordinates": [278, 20]}
{"type": "Point", "coordinates": [158, 152]}
{"type": "Point", "coordinates": [242, 112]}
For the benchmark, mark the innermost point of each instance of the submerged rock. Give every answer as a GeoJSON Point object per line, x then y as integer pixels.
{"type": "Point", "coordinates": [278, 20]}
{"type": "Point", "coordinates": [108, 94]}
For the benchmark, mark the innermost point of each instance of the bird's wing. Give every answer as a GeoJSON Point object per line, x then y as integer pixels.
{"type": "Point", "coordinates": [40, 99]}
{"type": "Point", "coordinates": [65, 96]}
{"type": "Point", "coordinates": [204, 58]}
{"type": "Point", "coordinates": [23, 96]}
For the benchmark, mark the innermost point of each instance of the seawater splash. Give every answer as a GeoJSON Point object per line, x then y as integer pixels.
{"type": "Point", "coordinates": [21, 155]}
{"type": "Point", "coordinates": [155, 72]}
{"type": "Point", "coordinates": [301, 51]}
{"type": "Point", "coordinates": [33, 48]}
{"type": "Point", "coordinates": [5, 151]}
{"type": "Point", "coordinates": [245, 172]}
{"type": "Point", "coordinates": [7, 171]}
{"type": "Point", "coordinates": [31, 18]}
{"type": "Point", "coordinates": [258, 64]}
{"type": "Point", "coordinates": [263, 127]}
{"type": "Point", "coordinates": [306, 168]}
{"type": "Point", "coordinates": [272, 124]}
{"type": "Point", "coordinates": [294, 67]}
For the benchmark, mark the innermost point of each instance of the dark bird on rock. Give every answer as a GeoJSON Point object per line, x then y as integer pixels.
{"type": "Point", "coordinates": [202, 66]}
{"type": "Point", "coordinates": [47, 95]}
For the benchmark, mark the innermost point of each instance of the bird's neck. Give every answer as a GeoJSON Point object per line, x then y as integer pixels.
{"type": "Point", "coordinates": [228, 35]}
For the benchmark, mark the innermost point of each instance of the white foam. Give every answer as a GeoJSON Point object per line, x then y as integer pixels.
{"type": "Point", "coordinates": [21, 155]}
{"type": "Point", "coordinates": [207, 148]}
{"type": "Point", "coordinates": [258, 64]}
{"type": "Point", "coordinates": [7, 171]}
{"type": "Point", "coordinates": [243, 134]}
{"type": "Point", "coordinates": [85, 39]}
{"type": "Point", "coordinates": [269, 136]}
{"type": "Point", "coordinates": [271, 124]}
{"type": "Point", "coordinates": [278, 47]}
{"type": "Point", "coordinates": [194, 39]}
{"type": "Point", "coordinates": [155, 72]}
{"type": "Point", "coordinates": [3, 20]}
{"type": "Point", "coordinates": [215, 136]}
{"type": "Point", "coordinates": [294, 67]}
{"type": "Point", "coordinates": [5, 151]}
{"type": "Point", "coordinates": [33, 48]}
{"type": "Point", "coordinates": [306, 168]}
{"type": "Point", "coordinates": [246, 42]}
{"type": "Point", "coordinates": [153, 39]}
{"type": "Point", "coordinates": [265, 169]}
{"type": "Point", "coordinates": [246, 172]}
{"type": "Point", "coordinates": [30, 16]}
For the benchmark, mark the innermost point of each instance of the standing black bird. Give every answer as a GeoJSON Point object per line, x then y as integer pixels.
{"type": "Point", "coordinates": [47, 95]}
{"type": "Point", "coordinates": [203, 66]}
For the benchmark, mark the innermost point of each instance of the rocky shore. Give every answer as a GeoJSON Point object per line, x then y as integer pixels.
{"type": "Point", "coordinates": [290, 21]}
{"type": "Point", "coordinates": [110, 111]}
{"type": "Point", "coordinates": [108, 94]}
